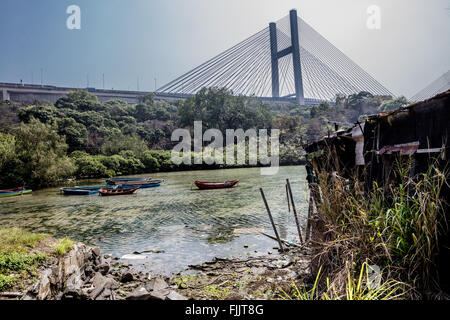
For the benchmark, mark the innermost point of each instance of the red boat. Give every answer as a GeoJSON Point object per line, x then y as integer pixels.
{"type": "Point", "coordinates": [116, 192]}
{"type": "Point", "coordinates": [12, 190]}
{"type": "Point", "coordinates": [215, 185]}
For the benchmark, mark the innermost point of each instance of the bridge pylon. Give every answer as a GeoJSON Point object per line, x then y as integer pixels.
{"type": "Point", "coordinates": [294, 49]}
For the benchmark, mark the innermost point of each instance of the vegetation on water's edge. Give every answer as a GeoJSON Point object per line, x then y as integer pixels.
{"type": "Point", "coordinates": [381, 244]}
{"type": "Point", "coordinates": [18, 256]}
{"type": "Point", "coordinates": [80, 137]}
{"type": "Point", "coordinates": [63, 246]}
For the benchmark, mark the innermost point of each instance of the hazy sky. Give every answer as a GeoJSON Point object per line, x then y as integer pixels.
{"type": "Point", "coordinates": [164, 38]}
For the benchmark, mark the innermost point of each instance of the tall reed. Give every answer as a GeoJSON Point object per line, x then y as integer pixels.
{"type": "Point", "coordinates": [395, 227]}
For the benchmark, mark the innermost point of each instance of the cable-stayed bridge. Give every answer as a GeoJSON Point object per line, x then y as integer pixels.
{"type": "Point", "coordinates": [439, 85]}
{"type": "Point", "coordinates": [286, 60]}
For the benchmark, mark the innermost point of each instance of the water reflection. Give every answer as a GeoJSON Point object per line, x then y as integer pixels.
{"type": "Point", "coordinates": [188, 224]}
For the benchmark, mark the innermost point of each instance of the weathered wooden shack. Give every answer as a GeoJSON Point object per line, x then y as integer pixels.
{"type": "Point", "coordinates": [418, 133]}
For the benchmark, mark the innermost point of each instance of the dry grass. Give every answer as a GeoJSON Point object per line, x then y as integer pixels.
{"type": "Point", "coordinates": [395, 228]}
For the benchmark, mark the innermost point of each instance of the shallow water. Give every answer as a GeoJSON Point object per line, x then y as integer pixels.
{"type": "Point", "coordinates": [189, 225]}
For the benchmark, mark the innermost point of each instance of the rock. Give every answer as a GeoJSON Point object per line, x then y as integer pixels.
{"type": "Point", "coordinates": [96, 251]}
{"type": "Point", "coordinates": [173, 295]}
{"type": "Point", "coordinates": [156, 251]}
{"type": "Point", "coordinates": [74, 283]}
{"type": "Point", "coordinates": [107, 256]}
{"type": "Point", "coordinates": [101, 283]}
{"type": "Point", "coordinates": [159, 294]}
{"type": "Point", "coordinates": [43, 290]}
{"type": "Point", "coordinates": [156, 284]}
{"type": "Point", "coordinates": [89, 272]}
{"type": "Point", "coordinates": [103, 268]}
{"type": "Point", "coordinates": [105, 294]}
{"type": "Point", "coordinates": [138, 294]}
{"type": "Point", "coordinates": [126, 277]}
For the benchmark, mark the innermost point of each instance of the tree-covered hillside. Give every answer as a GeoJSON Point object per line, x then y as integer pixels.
{"type": "Point", "coordinates": [45, 143]}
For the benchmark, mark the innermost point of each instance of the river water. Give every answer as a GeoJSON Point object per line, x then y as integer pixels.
{"type": "Point", "coordinates": [190, 226]}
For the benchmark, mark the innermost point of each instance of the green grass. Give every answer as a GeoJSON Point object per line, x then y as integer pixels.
{"type": "Point", "coordinates": [355, 289]}
{"type": "Point", "coordinates": [6, 282]}
{"type": "Point", "coordinates": [20, 261]}
{"type": "Point", "coordinates": [63, 246]}
{"type": "Point", "coordinates": [16, 238]}
{"type": "Point", "coordinates": [16, 259]}
{"type": "Point", "coordinates": [213, 291]}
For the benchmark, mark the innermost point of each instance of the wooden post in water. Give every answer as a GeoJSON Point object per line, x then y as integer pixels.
{"type": "Point", "coordinates": [308, 223]}
{"type": "Point", "coordinates": [271, 220]}
{"type": "Point", "coordinates": [295, 212]}
{"type": "Point", "coordinates": [287, 197]}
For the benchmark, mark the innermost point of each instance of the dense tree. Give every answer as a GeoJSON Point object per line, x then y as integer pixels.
{"type": "Point", "coordinates": [7, 148]}
{"type": "Point", "coordinates": [220, 109]}
{"type": "Point", "coordinates": [75, 133]}
{"type": "Point", "coordinates": [80, 100]}
{"type": "Point", "coordinates": [40, 156]}
{"type": "Point", "coordinates": [45, 114]}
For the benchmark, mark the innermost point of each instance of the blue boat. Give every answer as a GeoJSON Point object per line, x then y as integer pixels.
{"type": "Point", "coordinates": [78, 191]}
{"type": "Point", "coordinates": [89, 187]}
{"type": "Point", "coordinates": [143, 185]}
{"type": "Point", "coordinates": [129, 179]}
{"type": "Point", "coordinates": [14, 193]}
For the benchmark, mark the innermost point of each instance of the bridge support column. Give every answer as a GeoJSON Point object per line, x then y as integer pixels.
{"type": "Point", "coordinates": [276, 55]}
{"type": "Point", "coordinates": [296, 58]}
{"type": "Point", "coordinates": [5, 95]}
{"type": "Point", "coordinates": [274, 58]}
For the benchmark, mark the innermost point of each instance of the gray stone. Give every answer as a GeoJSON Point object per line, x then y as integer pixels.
{"type": "Point", "coordinates": [103, 268]}
{"type": "Point", "coordinates": [101, 283]}
{"type": "Point", "coordinates": [126, 277]}
{"type": "Point", "coordinates": [173, 295]}
{"type": "Point", "coordinates": [43, 288]}
{"type": "Point", "coordinates": [138, 294]}
{"type": "Point", "coordinates": [96, 251]}
{"type": "Point", "coordinates": [159, 294]}
{"type": "Point", "coordinates": [156, 284]}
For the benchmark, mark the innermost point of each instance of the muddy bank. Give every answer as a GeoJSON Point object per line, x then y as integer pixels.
{"type": "Point", "coordinates": [263, 277]}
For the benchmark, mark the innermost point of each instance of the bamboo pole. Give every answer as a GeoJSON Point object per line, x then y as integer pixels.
{"type": "Point", "coordinates": [295, 212]}
{"type": "Point", "coordinates": [287, 197]}
{"type": "Point", "coordinates": [284, 241]}
{"type": "Point", "coordinates": [308, 223]}
{"type": "Point", "coordinates": [271, 220]}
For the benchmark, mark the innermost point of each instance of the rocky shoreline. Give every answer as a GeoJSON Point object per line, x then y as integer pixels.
{"type": "Point", "coordinates": [84, 273]}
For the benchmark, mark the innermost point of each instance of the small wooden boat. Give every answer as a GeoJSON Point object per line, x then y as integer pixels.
{"type": "Point", "coordinates": [81, 191]}
{"type": "Point", "coordinates": [14, 193]}
{"type": "Point", "coordinates": [116, 191]}
{"type": "Point", "coordinates": [78, 191]}
{"type": "Point", "coordinates": [90, 187]}
{"type": "Point", "coordinates": [142, 184]}
{"type": "Point", "coordinates": [12, 190]}
{"type": "Point", "coordinates": [215, 185]}
{"type": "Point", "coordinates": [130, 179]}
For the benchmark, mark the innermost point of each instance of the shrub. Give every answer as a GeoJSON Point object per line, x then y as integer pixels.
{"type": "Point", "coordinates": [90, 167]}
{"type": "Point", "coordinates": [63, 246]}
